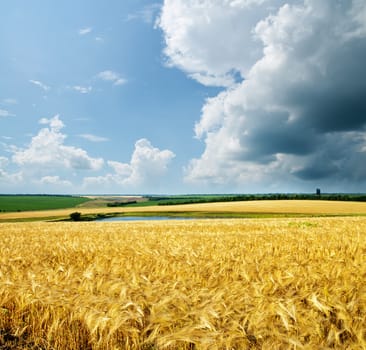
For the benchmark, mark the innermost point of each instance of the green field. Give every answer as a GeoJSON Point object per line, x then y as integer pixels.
{"type": "Point", "coordinates": [13, 203]}
{"type": "Point", "coordinates": [152, 200]}
{"type": "Point", "coordinates": [21, 203]}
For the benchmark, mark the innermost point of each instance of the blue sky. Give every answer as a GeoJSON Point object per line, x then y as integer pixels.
{"type": "Point", "coordinates": [182, 96]}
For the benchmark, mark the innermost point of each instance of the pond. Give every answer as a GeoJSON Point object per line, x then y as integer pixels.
{"type": "Point", "coordinates": [145, 218]}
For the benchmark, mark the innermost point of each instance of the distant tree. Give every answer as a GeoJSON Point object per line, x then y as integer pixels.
{"type": "Point", "coordinates": [75, 216]}
{"type": "Point", "coordinates": [318, 191]}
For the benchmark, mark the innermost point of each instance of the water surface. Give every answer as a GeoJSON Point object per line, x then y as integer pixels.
{"type": "Point", "coordinates": [146, 218]}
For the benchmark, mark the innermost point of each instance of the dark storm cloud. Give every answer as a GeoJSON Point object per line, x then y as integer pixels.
{"type": "Point", "coordinates": [316, 171]}
{"type": "Point", "coordinates": [275, 132]}
{"type": "Point", "coordinates": [335, 100]}
{"type": "Point", "coordinates": [332, 103]}
{"type": "Point", "coordinates": [342, 157]}
{"type": "Point", "coordinates": [320, 89]}
{"type": "Point", "coordinates": [301, 109]}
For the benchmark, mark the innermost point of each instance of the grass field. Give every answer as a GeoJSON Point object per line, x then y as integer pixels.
{"type": "Point", "coordinates": [25, 203]}
{"type": "Point", "coordinates": [250, 208]}
{"type": "Point", "coordinates": [220, 284]}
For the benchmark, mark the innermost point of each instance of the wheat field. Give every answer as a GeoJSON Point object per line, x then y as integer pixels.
{"type": "Point", "coordinates": [307, 207]}
{"type": "Point", "coordinates": [200, 284]}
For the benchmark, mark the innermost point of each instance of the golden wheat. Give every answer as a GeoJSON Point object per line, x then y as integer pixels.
{"type": "Point", "coordinates": [206, 284]}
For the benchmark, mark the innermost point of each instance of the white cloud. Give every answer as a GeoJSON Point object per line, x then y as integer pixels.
{"type": "Point", "coordinates": [55, 123]}
{"type": "Point", "coordinates": [93, 138]}
{"type": "Point", "coordinates": [47, 150]}
{"type": "Point", "coordinates": [300, 113]}
{"type": "Point", "coordinates": [246, 3]}
{"type": "Point", "coordinates": [86, 30]}
{"type": "Point", "coordinates": [146, 14]}
{"type": "Point", "coordinates": [111, 76]}
{"type": "Point", "coordinates": [212, 40]}
{"type": "Point", "coordinates": [3, 162]}
{"type": "Point", "coordinates": [7, 178]}
{"type": "Point", "coordinates": [54, 180]}
{"type": "Point", "coordinates": [40, 84]}
{"type": "Point", "coordinates": [4, 113]}
{"type": "Point", "coordinates": [10, 179]}
{"type": "Point", "coordinates": [82, 89]}
{"type": "Point", "coordinates": [146, 169]}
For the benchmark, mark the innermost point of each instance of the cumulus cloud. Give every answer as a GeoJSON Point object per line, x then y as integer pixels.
{"type": "Point", "coordinates": [41, 85]}
{"type": "Point", "coordinates": [48, 162]}
{"type": "Point", "coordinates": [300, 112]}
{"type": "Point", "coordinates": [147, 166]}
{"type": "Point", "coordinates": [111, 76]}
{"type": "Point", "coordinates": [6, 177]}
{"type": "Point", "coordinates": [212, 40]}
{"type": "Point", "coordinates": [3, 162]}
{"type": "Point", "coordinates": [54, 180]}
{"type": "Point", "coordinates": [48, 150]}
{"type": "Point", "coordinates": [10, 179]}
